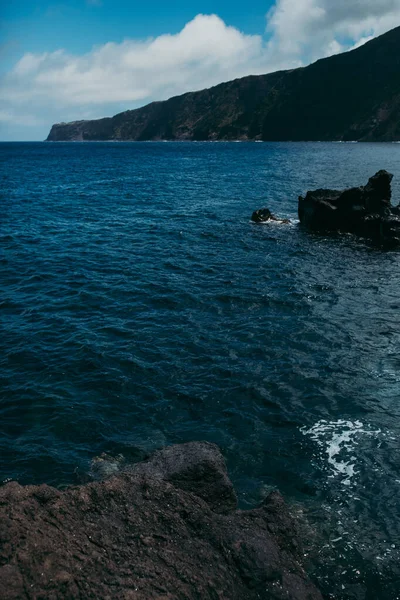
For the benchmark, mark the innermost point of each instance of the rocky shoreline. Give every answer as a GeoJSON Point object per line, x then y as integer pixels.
{"type": "Point", "coordinates": [165, 528]}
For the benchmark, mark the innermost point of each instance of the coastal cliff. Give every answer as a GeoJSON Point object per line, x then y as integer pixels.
{"type": "Point", "coordinates": [350, 96]}
{"type": "Point", "coordinates": [164, 528]}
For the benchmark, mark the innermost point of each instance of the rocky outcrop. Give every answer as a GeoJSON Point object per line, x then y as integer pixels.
{"type": "Point", "coordinates": [263, 215]}
{"type": "Point", "coordinates": [351, 96]}
{"type": "Point", "coordinates": [166, 528]}
{"type": "Point", "coordinates": [197, 467]}
{"type": "Point", "coordinates": [366, 211]}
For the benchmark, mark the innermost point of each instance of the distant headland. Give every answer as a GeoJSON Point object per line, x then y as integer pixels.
{"type": "Point", "coordinates": [350, 96]}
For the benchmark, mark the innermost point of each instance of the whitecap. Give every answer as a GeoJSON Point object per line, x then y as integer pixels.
{"type": "Point", "coordinates": [338, 441]}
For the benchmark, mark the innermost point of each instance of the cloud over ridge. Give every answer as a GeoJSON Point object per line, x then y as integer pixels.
{"type": "Point", "coordinates": [54, 86]}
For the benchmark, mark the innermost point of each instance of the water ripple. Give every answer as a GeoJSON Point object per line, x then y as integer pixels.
{"type": "Point", "coordinates": [140, 307]}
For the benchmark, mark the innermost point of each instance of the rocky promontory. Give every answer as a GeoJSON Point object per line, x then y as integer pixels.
{"type": "Point", "coordinates": [166, 528]}
{"type": "Point", "coordinates": [350, 96]}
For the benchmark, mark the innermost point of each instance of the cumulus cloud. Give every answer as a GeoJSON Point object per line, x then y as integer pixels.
{"type": "Point", "coordinates": [205, 52]}
{"type": "Point", "coordinates": [57, 86]}
{"type": "Point", "coordinates": [311, 29]}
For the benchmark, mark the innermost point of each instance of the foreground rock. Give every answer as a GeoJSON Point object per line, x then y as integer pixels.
{"type": "Point", "coordinates": [166, 529]}
{"type": "Point", "coordinates": [365, 210]}
{"type": "Point", "coordinates": [263, 215]}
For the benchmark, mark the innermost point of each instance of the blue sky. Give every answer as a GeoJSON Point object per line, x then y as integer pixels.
{"type": "Point", "coordinates": [39, 25]}
{"type": "Point", "coordinates": [62, 61]}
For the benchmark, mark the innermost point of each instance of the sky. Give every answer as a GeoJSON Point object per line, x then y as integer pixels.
{"type": "Point", "coordinates": [86, 59]}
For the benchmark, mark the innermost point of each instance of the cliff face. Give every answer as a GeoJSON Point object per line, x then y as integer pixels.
{"type": "Point", "coordinates": [351, 96]}
{"type": "Point", "coordinates": [167, 528]}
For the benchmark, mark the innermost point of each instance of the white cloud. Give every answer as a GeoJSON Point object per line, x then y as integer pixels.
{"type": "Point", "coordinates": [113, 77]}
{"type": "Point", "coordinates": [204, 53]}
{"type": "Point", "coordinates": [316, 28]}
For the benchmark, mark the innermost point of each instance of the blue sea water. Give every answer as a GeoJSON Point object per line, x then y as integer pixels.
{"type": "Point", "coordinates": [140, 307]}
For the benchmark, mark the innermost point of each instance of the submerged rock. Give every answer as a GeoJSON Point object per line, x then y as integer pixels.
{"type": "Point", "coordinates": [365, 210]}
{"type": "Point", "coordinates": [263, 215]}
{"type": "Point", "coordinates": [105, 465]}
{"type": "Point", "coordinates": [155, 531]}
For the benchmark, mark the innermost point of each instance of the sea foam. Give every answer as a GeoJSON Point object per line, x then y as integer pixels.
{"type": "Point", "coordinates": [338, 441]}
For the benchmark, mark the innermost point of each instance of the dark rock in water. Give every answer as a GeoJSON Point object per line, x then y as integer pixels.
{"type": "Point", "coordinates": [365, 211]}
{"type": "Point", "coordinates": [263, 215]}
{"type": "Point", "coordinates": [147, 533]}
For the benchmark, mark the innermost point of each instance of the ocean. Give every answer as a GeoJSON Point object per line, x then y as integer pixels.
{"type": "Point", "coordinates": [140, 307]}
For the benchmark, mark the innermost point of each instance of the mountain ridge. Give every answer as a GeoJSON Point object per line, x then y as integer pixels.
{"type": "Point", "coordinates": [350, 96]}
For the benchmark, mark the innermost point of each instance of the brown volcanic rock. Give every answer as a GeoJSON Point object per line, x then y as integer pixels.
{"type": "Point", "coordinates": [136, 535]}
{"type": "Point", "coordinates": [196, 467]}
